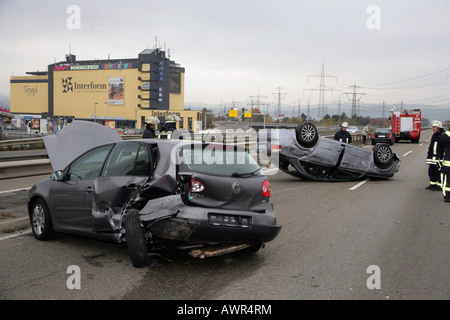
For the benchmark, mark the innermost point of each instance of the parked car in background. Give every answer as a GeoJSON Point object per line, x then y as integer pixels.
{"type": "Point", "coordinates": [352, 129]}
{"type": "Point", "coordinates": [10, 126]}
{"type": "Point", "coordinates": [383, 135]}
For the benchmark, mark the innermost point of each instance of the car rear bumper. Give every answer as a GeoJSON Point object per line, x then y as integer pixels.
{"type": "Point", "coordinates": [213, 225]}
{"type": "Point", "coordinates": [382, 140]}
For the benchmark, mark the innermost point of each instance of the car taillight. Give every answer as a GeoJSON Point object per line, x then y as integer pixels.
{"type": "Point", "coordinates": [390, 135]}
{"type": "Point", "coordinates": [275, 147]}
{"type": "Point", "coordinates": [373, 135]}
{"type": "Point", "coordinates": [265, 189]}
{"type": "Point", "coordinates": [196, 186]}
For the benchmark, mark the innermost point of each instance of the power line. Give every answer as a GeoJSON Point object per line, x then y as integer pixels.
{"type": "Point", "coordinates": [258, 102]}
{"type": "Point", "coordinates": [355, 98]}
{"type": "Point", "coordinates": [279, 95]}
{"type": "Point", "coordinates": [322, 89]}
{"type": "Point", "coordinates": [413, 78]}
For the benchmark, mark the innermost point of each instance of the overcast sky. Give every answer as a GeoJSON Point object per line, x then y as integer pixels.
{"type": "Point", "coordinates": [394, 50]}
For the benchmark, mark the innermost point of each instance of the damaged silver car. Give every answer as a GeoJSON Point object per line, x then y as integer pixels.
{"type": "Point", "coordinates": [152, 194]}
{"type": "Point", "coordinates": [305, 154]}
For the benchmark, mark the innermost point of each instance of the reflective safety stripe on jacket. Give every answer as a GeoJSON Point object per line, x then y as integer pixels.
{"type": "Point", "coordinates": [444, 184]}
{"type": "Point", "coordinates": [433, 160]}
{"type": "Point", "coordinates": [446, 163]}
{"type": "Point", "coordinates": [165, 135]}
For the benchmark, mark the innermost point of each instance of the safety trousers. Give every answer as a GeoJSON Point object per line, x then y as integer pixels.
{"type": "Point", "coordinates": [445, 185]}
{"type": "Point", "coordinates": [434, 174]}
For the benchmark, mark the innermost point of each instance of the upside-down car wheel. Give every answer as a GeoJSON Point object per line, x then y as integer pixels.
{"type": "Point", "coordinates": [383, 156]}
{"type": "Point", "coordinates": [307, 134]}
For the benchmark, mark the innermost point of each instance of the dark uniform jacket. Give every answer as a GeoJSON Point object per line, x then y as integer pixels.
{"type": "Point", "coordinates": [444, 152]}
{"type": "Point", "coordinates": [343, 136]}
{"type": "Point", "coordinates": [149, 133]}
{"type": "Point", "coordinates": [167, 130]}
{"type": "Point", "coordinates": [434, 148]}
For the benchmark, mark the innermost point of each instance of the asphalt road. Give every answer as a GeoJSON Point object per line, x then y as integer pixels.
{"type": "Point", "coordinates": [334, 236]}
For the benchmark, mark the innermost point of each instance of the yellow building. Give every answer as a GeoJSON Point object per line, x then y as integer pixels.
{"type": "Point", "coordinates": [122, 92]}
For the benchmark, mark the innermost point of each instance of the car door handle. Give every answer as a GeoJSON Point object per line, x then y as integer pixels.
{"type": "Point", "coordinates": [132, 187]}
{"type": "Point", "coordinates": [89, 189]}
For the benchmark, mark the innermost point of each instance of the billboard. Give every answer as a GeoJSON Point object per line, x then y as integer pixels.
{"type": "Point", "coordinates": [28, 97]}
{"type": "Point", "coordinates": [116, 94]}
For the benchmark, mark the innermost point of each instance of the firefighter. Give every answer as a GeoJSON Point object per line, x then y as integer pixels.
{"type": "Point", "coordinates": [342, 135]}
{"type": "Point", "coordinates": [169, 127]}
{"type": "Point", "coordinates": [433, 159]}
{"type": "Point", "coordinates": [150, 127]}
{"type": "Point", "coordinates": [444, 155]}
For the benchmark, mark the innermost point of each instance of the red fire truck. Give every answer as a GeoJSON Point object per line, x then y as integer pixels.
{"type": "Point", "coordinates": [406, 125]}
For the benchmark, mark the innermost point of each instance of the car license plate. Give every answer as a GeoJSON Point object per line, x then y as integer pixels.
{"type": "Point", "coordinates": [229, 220]}
{"type": "Point", "coordinates": [381, 136]}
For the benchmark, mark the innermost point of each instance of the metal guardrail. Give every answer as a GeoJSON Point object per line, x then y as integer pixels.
{"type": "Point", "coordinates": [4, 144]}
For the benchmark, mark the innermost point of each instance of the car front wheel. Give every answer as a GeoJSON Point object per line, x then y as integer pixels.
{"type": "Point", "coordinates": [136, 241]}
{"type": "Point", "coordinates": [41, 222]}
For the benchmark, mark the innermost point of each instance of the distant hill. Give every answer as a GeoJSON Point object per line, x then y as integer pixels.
{"type": "Point", "coordinates": [4, 102]}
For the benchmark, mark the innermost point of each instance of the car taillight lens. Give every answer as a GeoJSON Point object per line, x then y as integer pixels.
{"type": "Point", "coordinates": [390, 135]}
{"type": "Point", "coordinates": [275, 147]}
{"type": "Point", "coordinates": [265, 189]}
{"type": "Point", "coordinates": [373, 136]}
{"type": "Point", "coordinates": [197, 186]}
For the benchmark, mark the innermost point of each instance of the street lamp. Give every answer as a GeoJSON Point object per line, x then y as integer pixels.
{"type": "Point", "coordinates": [95, 112]}
{"type": "Point", "coordinates": [106, 107]}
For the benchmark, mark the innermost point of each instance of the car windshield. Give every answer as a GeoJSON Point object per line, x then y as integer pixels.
{"type": "Point", "coordinates": [220, 160]}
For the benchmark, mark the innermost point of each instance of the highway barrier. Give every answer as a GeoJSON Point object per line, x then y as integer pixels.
{"type": "Point", "coordinates": [24, 168]}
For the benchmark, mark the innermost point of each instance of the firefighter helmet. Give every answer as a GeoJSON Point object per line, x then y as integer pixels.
{"type": "Point", "coordinates": [436, 123]}
{"type": "Point", "coordinates": [344, 124]}
{"type": "Point", "coordinates": [151, 120]}
{"type": "Point", "coordinates": [171, 118]}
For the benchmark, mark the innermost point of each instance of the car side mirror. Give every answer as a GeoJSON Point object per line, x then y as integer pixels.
{"type": "Point", "coordinates": [57, 175]}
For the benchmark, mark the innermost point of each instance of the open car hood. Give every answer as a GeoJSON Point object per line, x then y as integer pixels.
{"type": "Point", "coordinates": [75, 139]}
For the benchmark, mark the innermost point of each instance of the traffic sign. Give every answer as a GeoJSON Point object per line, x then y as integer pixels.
{"type": "Point", "coordinates": [233, 113]}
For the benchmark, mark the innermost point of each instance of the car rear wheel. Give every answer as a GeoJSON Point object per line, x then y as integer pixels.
{"type": "Point", "coordinates": [136, 241]}
{"type": "Point", "coordinates": [41, 222]}
{"type": "Point", "coordinates": [307, 134]}
{"type": "Point", "coordinates": [383, 156]}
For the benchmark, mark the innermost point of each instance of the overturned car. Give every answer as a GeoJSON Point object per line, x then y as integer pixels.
{"type": "Point", "coordinates": [152, 194]}
{"type": "Point", "coordinates": [305, 154]}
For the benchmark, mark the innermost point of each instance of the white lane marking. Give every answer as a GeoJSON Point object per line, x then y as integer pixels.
{"type": "Point", "coordinates": [16, 234]}
{"type": "Point", "coordinates": [15, 190]}
{"type": "Point", "coordinates": [420, 144]}
{"type": "Point", "coordinates": [358, 185]}
{"type": "Point", "coordinates": [407, 153]}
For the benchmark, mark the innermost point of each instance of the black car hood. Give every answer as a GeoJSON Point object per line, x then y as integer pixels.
{"type": "Point", "coordinates": [75, 139]}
